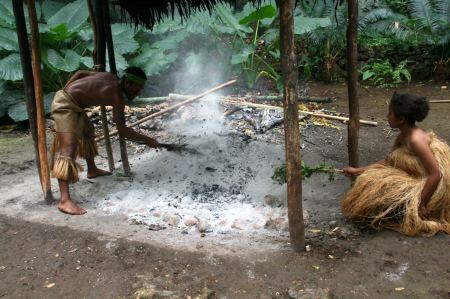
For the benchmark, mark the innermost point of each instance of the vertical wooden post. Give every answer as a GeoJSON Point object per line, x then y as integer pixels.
{"type": "Point", "coordinates": [113, 69]}
{"type": "Point", "coordinates": [352, 71]}
{"type": "Point", "coordinates": [25, 61]}
{"type": "Point", "coordinates": [40, 114]}
{"type": "Point", "coordinates": [100, 48]}
{"type": "Point", "coordinates": [291, 127]}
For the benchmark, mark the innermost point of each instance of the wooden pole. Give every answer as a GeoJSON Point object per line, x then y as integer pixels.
{"type": "Point", "coordinates": [352, 71]}
{"type": "Point", "coordinates": [25, 60]}
{"type": "Point", "coordinates": [291, 129]}
{"type": "Point", "coordinates": [113, 69]}
{"type": "Point", "coordinates": [40, 114]}
{"type": "Point", "coordinates": [100, 48]}
{"type": "Point", "coordinates": [190, 100]}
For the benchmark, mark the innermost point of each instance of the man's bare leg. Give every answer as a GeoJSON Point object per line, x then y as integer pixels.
{"type": "Point", "coordinates": [66, 204]}
{"type": "Point", "coordinates": [68, 146]}
{"type": "Point", "coordinates": [93, 171]}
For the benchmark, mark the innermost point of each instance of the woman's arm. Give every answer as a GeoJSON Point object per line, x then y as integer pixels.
{"type": "Point", "coordinates": [352, 171]}
{"type": "Point", "coordinates": [419, 143]}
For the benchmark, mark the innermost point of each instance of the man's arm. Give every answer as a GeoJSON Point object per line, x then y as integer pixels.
{"type": "Point", "coordinates": [128, 133]}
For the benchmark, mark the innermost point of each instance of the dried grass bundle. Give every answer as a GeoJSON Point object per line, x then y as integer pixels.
{"type": "Point", "coordinates": [389, 196]}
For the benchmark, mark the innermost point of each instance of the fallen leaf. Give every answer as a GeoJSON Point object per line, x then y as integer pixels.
{"type": "Point", "coordinates": [314, 231]}
{"type": "Point", "coordinates": [316, 267]}
{"type": "Point", "coordinates": [50, 285]}
{"type": "Point", "coordinates": [331, 257]}
{"type": "Point", "coordinates": [73, 250]}
{"type": "Point", "coordinates": [399, 289]}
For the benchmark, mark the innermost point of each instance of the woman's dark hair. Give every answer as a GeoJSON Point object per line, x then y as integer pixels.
{"type": "Point", "coordinates": [409, 106]}
{"type": "Point", "coordinates": [136, 71]}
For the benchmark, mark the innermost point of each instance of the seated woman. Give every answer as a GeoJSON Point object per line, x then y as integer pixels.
{"type": "Point", "coordinates": [408, 191]}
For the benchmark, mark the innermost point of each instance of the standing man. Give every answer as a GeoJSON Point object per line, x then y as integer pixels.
{"type": "Point", "coordinates": [75, 133]}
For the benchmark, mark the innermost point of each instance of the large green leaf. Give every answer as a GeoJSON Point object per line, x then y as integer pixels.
{"type": "Point", "coordinates": [168, 24]}
{"type": "Point", "coordinates": [229, 20]}
{"type": "Point", "coordinates": [242, 56]}
{"type": "Point", "coordinates": [199, 23]}
{"type": "Point", "coordinates": [265, 12]}
{"type": "Point", "coordinates": [154, 61]}
{"type": "Point", "coordinates": [8, 40]}
{"type": "Point", "coordinates": [172, 41]}
{"type": "Point", "coordinates": [6, 100]}
{"type": "Point", "coordinates": [304, 25]}
{"type": "Point", "coordinates": [69, 63]}
{"type": "Point", "coordinates": [50, 7]}
{"type": "Point", "coordinates": [18, 110]}
{"type": "Point", "coordinates": [123, 39]}
{"type": "Point", "coordinates": [74, 14]}
{"type": "Point", "coordinates": [6, 14]}
{"type": "Point", "coordinates": [11, 68]}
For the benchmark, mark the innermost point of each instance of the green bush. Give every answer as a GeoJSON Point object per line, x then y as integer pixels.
{"type": "Point", "coordinates": [383, 74]}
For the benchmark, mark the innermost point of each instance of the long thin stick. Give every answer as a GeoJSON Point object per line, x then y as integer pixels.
{"type": "Point", "coordinates": [367, 122]}
{"type": "Point", "coordinates": [439, 101]}
{"type": "Point", "coordinates": [37, 78]}
{"type": "Point", "coordinates": [190, 100]}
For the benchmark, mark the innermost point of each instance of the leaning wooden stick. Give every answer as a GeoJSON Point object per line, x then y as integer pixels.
{"type": "Point", "coordinates": [238, 103]}
{"type": "Point", "coordinates": [190, 100]}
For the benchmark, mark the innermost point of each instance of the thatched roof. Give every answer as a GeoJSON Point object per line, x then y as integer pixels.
{"type": "Point", "coordinates": [148, 13]}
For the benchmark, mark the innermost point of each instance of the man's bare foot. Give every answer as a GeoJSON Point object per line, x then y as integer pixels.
{"type": "Point", "coordinates": [69, 207]}
{"type": "Point", "coordinates": [96, 173]}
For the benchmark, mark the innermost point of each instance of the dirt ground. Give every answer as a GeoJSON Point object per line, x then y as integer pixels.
{"type": "Point", "coordinates": [45, 254]}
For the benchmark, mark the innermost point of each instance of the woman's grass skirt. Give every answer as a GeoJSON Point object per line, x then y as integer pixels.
{"type": "Point", "coordinates": [389, 196]}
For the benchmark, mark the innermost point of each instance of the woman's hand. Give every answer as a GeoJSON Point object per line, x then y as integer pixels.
{"type": "Point", "coordinates": [351, 171]}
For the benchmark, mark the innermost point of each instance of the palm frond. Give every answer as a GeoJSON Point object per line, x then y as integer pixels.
{"type": "Point", "coordinates": [422, 11]}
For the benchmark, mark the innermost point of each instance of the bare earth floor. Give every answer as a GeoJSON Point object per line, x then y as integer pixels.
{"type": "Point", "coordinates": [138, 238]}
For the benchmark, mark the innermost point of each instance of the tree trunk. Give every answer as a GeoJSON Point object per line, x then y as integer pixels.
{"type": "Point", "coordinates": [28, 86]}
{"type": "Point", "coordinates": [100, 50]}
{"type": "Point", "coordinates": [352, 70]}
{"type": "Point", "coordinates": [113, 69]}
{"type": "Point", "coordinates": [40, 114]}
{"type": "Point", "coordinates": [291, 128]}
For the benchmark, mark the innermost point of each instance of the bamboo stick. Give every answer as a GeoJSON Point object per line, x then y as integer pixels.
{"type": "Point", "coordinates": [190, 100]}
{"type": "Point", "coordinates": [366, 122]}
{"type": "Point", "coordinates": [113, 69]}
{"type": "Point", "coordinates": [40, 114]}
{"type": "Point", "coordinates": [25, 59]}
{"type": "Point", "coordinates": [173, 96]}
{"type": "Point", "coordinates": [439, 101]}
{"type": "Point", "coordinates": [99, 61]}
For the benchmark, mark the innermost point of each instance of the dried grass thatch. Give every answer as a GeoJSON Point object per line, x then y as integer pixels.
{"type": "Point", "coordinates": [389, 196]}
{"type": "Point", "coordinates": [148, 13]}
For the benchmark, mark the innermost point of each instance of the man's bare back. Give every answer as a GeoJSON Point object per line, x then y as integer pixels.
{"type": "Point", "coordinates": [95, 89]}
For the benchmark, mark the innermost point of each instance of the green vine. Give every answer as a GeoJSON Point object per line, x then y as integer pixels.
{"type": "Point", "coordinates": [279, 174]}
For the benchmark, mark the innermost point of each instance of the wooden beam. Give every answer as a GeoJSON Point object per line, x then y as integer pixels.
{"type": "Point", "coordinates": [291, 128]}
{"type": "Point", "coordinates": [352, 82]}
{"type": "Point", "coordinates": [40, 114]}
{"type": "Point", "coordinates": [113, 69]}
{"type": "Point", "coordinates": [100, 50]}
